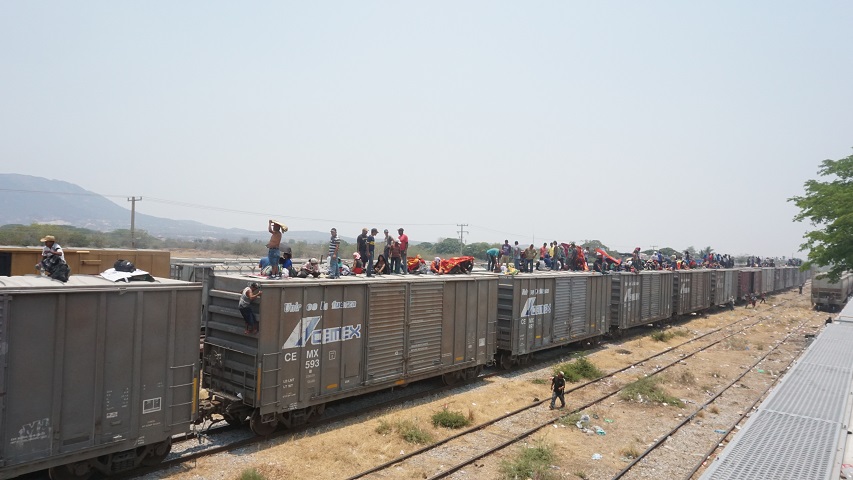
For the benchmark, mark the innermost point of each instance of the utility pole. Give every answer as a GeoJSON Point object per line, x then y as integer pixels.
{"type": "Point", "coordinates": [462, 233]}
{"type": "Point", "coordinates": [133, 201]}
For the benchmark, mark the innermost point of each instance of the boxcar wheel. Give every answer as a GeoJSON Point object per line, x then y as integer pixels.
{"type": "Point", "coordinates": [450, 378]}
{"type": "Point", "coordinates": [260, 428]}
{"type": "Point", "coordinates": [473, 372]}
{"type": "Point", "coordinates": [72, 471]}
{"type": "Point", "coordinates": [506, 360]}
{"type": "Point", "coordinates": [158, 453]}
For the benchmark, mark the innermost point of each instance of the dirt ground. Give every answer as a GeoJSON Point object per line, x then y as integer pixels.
{"type": "Point", "coordinates": [346, 448]}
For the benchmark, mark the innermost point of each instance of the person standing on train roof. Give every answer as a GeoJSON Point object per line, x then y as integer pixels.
{"type": "Point", "coordinates": [395, 257]}
{"type": "Point", "coordinates": [635, 260]}
{"type": "Point", "coordinates": [506, 253]}
{"type": "Point", "coordinates": [387, 250]}
{"type": "Point", "coordinates": [404, 250]}
{"type": "Point", "coordinates": [492, 253]}
{"type": "Point", "coordinates": [544, 256]}
{"type": "Point", "coordinates": [516, 256]}
{"type": "Point", "coordinates": [529, 258]}
{"type": "Point", "coordinates": [334, 250]}
{"type": "Point", "coordinates": [371, 250]}
{"type": "Point", "coordinates": [361, 246]}
{"type": "Point", "coordinates": [273, 253]}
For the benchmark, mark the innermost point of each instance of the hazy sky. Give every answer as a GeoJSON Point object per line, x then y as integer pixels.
{"type": "Point", "coordinates": [634, 123]}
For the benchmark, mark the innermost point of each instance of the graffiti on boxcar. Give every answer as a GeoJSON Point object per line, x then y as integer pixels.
{"type": "Point", "coordinates": [36, 430]}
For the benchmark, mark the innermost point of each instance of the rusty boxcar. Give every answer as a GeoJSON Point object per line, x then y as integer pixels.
{"type": "Point", "coordinates": [96, 376]}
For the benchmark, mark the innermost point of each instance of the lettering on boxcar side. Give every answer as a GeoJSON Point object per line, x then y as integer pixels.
{"type": "Point", "coordinates": [530, 308]}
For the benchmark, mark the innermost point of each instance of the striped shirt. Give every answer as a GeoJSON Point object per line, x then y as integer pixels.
{"type": "Point", "coordinates": [334, 245]}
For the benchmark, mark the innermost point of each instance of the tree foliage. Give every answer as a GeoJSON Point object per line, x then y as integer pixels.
{"type": "Point", "coordinates": [828, 206]}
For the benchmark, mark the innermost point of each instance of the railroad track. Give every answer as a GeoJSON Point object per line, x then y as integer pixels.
{"type": "Point", "coordinates": [482, 437]}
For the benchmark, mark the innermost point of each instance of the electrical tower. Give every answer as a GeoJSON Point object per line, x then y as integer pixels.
{"type": "Point", "coordinates": [133, 201]}
{"type": "Point", "coordinates": [462, 233]}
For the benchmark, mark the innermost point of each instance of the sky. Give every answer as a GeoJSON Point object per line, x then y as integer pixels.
{"type": "Point", "coordinates": [644, 124]}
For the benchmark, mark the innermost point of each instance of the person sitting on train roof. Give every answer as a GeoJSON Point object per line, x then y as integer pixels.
{"type": "Point", "coordinates": [598, 264]}
{"type": "Point", "coordinates": [357, 265]}
{"type": "Point", "coordinates": [50, 249]}
{"type": "Point", "coordinates": [311, 267]}
{"type": "Point", "coordinates": [381, 266]}
{"type": "Point", "coordinates": [435, 265]}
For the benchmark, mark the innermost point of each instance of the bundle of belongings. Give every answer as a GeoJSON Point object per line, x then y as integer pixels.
{"type": "Point", "coordinates": [452, 265]}
{"type": "Point", "coordinates": [125, 271]}
{"type": "Point", "coordinates": [55, 268]}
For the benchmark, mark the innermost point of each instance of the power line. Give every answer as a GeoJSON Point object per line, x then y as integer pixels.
{"type": "Point", "coordinates": [231, 210]}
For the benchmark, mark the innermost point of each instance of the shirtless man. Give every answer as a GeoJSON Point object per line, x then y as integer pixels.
{"type": "Point", "coordinates": [273, 246]}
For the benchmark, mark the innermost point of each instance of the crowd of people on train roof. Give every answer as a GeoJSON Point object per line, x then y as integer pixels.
{"type": "Point", "coordinates": [508, 258]}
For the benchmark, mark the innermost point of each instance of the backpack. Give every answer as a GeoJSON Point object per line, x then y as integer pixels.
{"type": "Point", "coordinates": [60, 272]}
{"type": "Point", "coordinates": [124, 266]}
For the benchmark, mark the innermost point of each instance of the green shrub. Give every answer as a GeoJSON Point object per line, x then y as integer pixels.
{"type": "Point", "coordinates": [251, 474]}
{"type": "Point", "coordinates": [384, 427]}
{"type": "Point", "coordinates": [533, 462]}
{"type": "Point", "coordinates": [662, 336]}
{"type": "Point", "coordinates": [579, 369]}
{"type": "Point", "coordinates": [450, 419]}
{"type": "Point", "coordinates": [648, 389]}
{"type": "Point", "coordinates": [412, 433]}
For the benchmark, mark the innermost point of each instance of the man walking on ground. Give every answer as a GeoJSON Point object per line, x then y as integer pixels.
{"type": "Point", "coordinates": [558, 386]}
{"type": "Point", "coordinates": [273, 254]}
{"type": "Point", "coordinates": [334, 246]}
{"type": "Point", "coordinates": [404, 250]}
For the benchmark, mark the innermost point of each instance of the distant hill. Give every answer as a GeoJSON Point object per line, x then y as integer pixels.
{"type": "Point", "coordinates": [63, 203]}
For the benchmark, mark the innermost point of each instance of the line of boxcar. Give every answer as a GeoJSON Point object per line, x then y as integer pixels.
{"type": "Point", "coordinates": [97, 376]}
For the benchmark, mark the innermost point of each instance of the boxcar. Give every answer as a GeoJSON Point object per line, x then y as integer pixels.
{"type": "Point", "coordinates": [724, 285]}
{"type": "Point", "coordinates": [767, 280]}
{"type": "Point", "coordinates": [87, 261]}
{"type": "Point", "coordinates": [96, 376]}
{"type": "Point", "coordinates": [691, 291]}
{"type": "Point", "coordinates": [640, 299]}
{"type": "Point", "coordinates": [831, 295]}
{"type": "Point", "coordinates": [778, 279]}
{"type": "Point", "coordinates": [323, 340]}
{"type": "Point", "coordinates": [546, 310]}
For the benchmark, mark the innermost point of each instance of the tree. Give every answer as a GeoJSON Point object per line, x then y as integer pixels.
{"type": "Point", "coordinates": [828, 206]}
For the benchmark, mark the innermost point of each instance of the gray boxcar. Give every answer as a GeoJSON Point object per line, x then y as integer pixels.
{"type": "Point", "coordinates": [724, 285]}
{"type": "Point", "coordinates": [323, 340]}
{"type": "Point", "coordinates": [691, 291]}
{"type": "Point", "coordinates": [768, 278]}
{"type": "Point", "coordinates": [779, 278]}
{"type": "Point", "coordinates": [545, 310]}
{"type": "Point", "coordinates": [96, 375]}
{"type": "Point", "coordinates": [640, 299]}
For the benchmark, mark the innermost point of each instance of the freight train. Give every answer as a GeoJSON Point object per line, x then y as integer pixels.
{"type": "Point", "coordinates": [97, 376]}
{"type": "Point", "coordinates": [831, 296]}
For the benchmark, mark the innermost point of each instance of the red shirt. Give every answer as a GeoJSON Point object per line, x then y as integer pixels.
{"type": "Point", "coordinates": [404, 243]}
